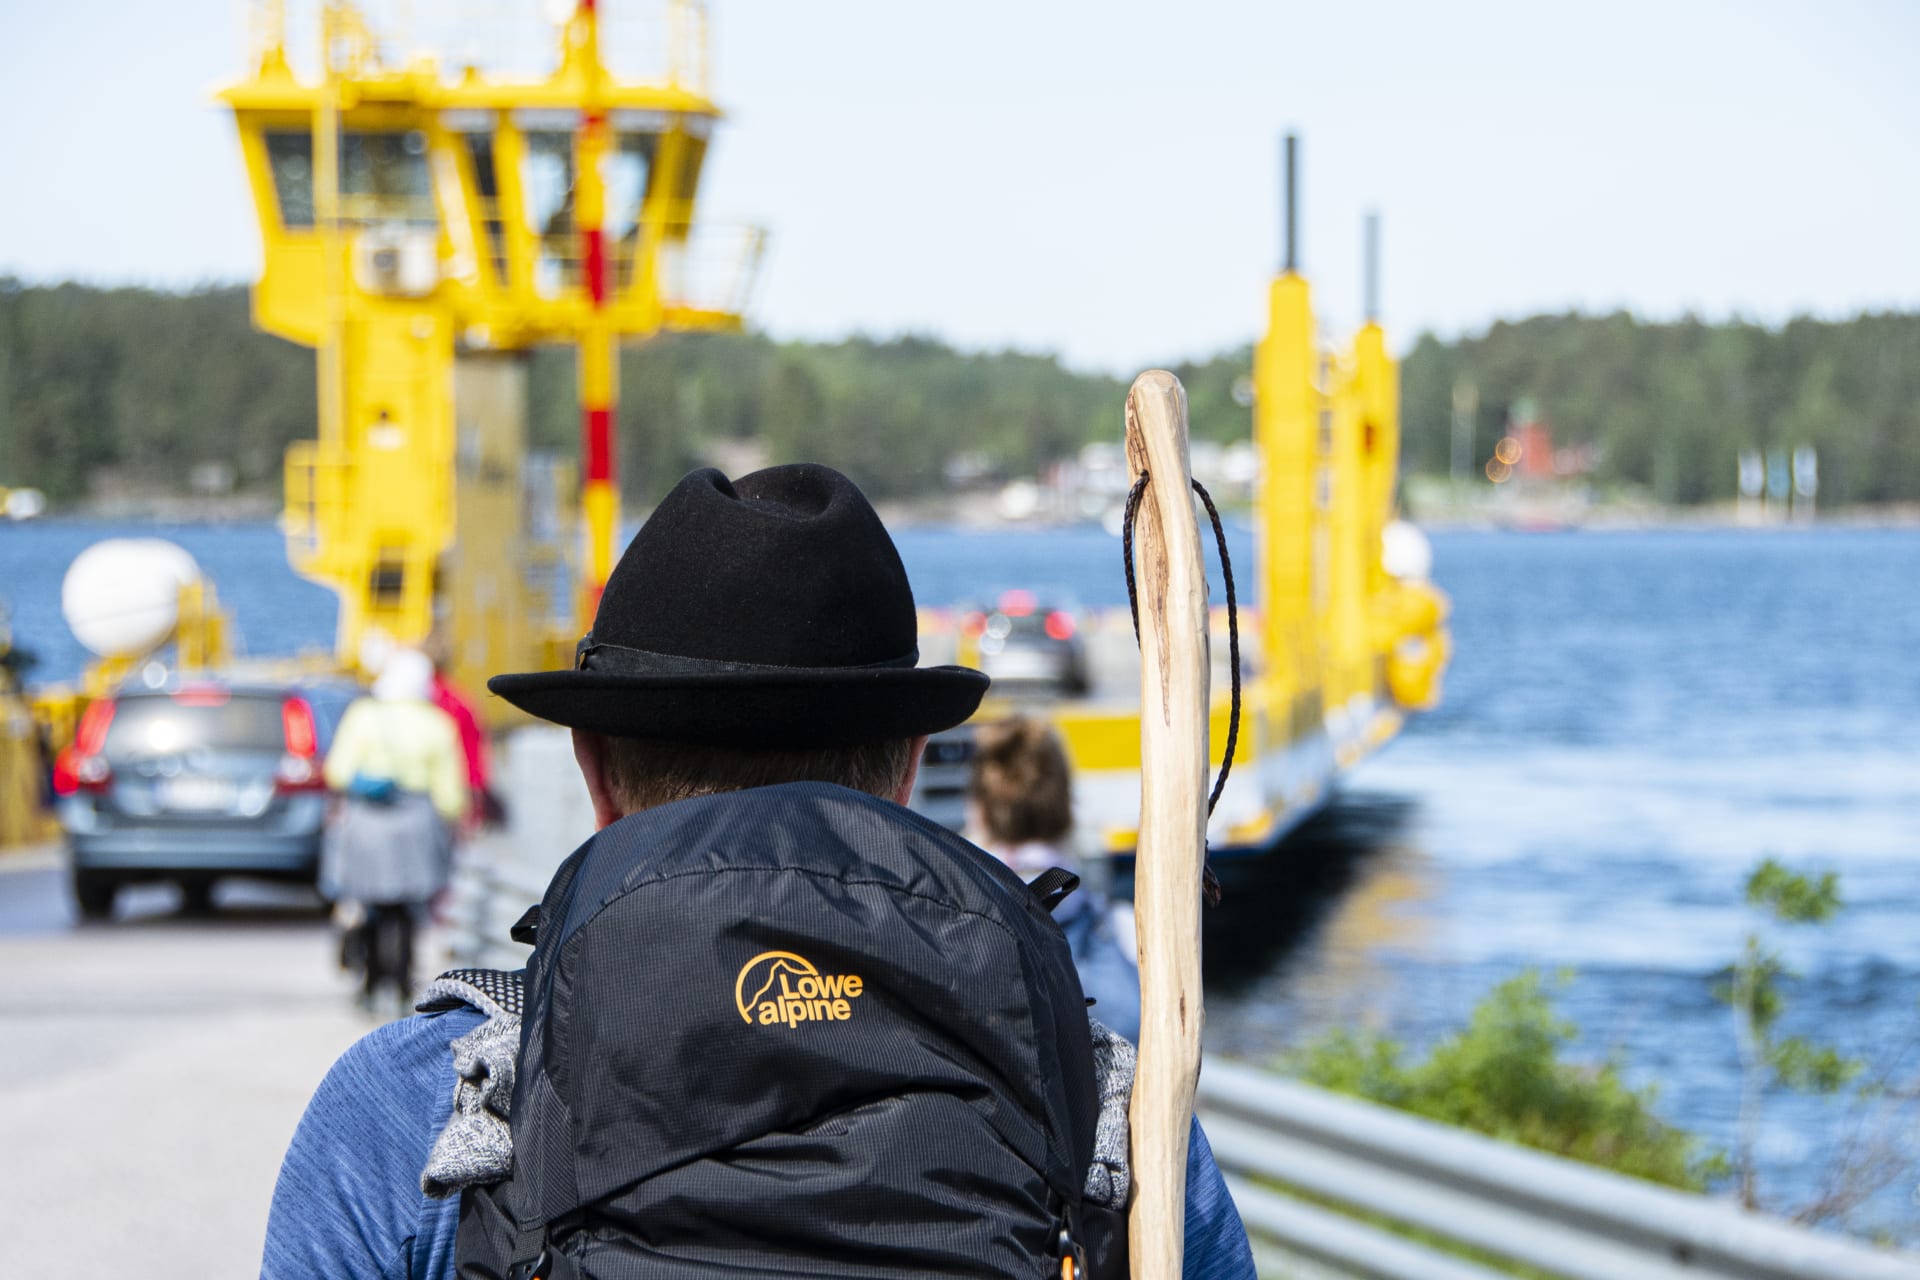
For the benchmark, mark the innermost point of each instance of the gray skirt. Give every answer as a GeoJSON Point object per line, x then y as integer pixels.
{"type": "Point", "coordinates": [383, 853]}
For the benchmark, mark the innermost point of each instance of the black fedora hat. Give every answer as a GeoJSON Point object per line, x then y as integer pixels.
{"type": "Point", "coordinates": [769, 611]}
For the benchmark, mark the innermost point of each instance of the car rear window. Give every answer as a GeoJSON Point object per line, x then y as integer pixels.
{"type": "Point", "coordinates": [160, 724]}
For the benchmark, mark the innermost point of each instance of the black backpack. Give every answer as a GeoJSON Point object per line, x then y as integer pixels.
{"type": "Point", "coordinates": [795, 1031]}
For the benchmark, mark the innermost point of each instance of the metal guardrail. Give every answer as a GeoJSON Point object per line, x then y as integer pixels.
{"type": "Point", "coordinates": [1554, 1215]}
{"type": "Point", "coordinates": [487, 895]}
{"type": "Point", "coordinates": [505, 872]}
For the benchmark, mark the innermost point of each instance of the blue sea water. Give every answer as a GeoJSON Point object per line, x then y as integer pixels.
{"type": "Point", "coordinates": [1631, 721]}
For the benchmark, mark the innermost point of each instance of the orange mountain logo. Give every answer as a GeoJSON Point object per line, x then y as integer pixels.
{"type": "Point", "coordinates": [781, 989]}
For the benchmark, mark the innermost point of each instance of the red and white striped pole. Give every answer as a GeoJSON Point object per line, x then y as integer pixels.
{"type": "Point", "coordinates": [599, 384]}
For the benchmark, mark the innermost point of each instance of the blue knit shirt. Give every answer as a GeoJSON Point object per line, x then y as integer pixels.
{"type": "Point", "coordinates": [348, 1202]}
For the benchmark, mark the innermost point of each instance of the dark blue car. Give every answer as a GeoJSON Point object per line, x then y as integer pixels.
{"type": "Point", "coordinates": [195, 781]}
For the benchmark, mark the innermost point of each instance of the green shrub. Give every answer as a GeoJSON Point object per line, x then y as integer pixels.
{"type": "Point", "coordinates": [1504, 1075]}
{"type": "Point", "coordinates": [1754, 988]}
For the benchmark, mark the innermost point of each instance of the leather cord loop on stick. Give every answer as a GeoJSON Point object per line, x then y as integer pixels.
{"type": "Point", "coordinates": [1210, 883]}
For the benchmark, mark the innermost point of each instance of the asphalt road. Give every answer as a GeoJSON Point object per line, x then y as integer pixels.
{"type": "Point", "coordinates": [152, 1070]}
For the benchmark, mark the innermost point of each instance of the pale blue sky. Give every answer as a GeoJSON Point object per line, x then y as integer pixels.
{"type": "Point", "coordinates": [1098, 177]}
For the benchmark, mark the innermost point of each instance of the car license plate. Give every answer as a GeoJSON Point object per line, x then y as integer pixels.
{"type": "Point", "coordinates": [198, 794]}
{"type": "Point", "coordinates": [1024, 664]}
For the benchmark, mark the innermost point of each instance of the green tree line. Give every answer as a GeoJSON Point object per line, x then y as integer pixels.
{"type": "Point", "coordinates": [1669, 406]}
{"type": "Point", "coordinates": [145, 384]}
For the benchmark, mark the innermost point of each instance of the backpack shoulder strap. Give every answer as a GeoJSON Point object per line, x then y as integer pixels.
{"type": "Point", "coordinates": [476, 1146]}
{"type": "Point", "coordinates": [1053, 885]}
{"type": "Point", "coordinates": [498, 993]}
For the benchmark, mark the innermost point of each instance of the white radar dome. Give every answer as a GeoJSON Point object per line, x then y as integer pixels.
{"type": "Point", "coordinates": [1405, 552]}
{"type": "Point", "coordinates": [122, 597]}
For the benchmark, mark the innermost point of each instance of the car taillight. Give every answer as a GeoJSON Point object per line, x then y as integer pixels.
{"type": "Point", "coordinates": [64, 783]}
{"type": "Point", "coordinates": [73, 772]}
{"type": "Point", "coordinates": [298, 773]}
{"type": "Point", "coordinates": [1060, 625]}
{"type": "Point", "coordinates": [82, 767]}
{"type": "Point", "coordinates": [296, 718]}
{"type": "Point", "coordinates": [299, 768]}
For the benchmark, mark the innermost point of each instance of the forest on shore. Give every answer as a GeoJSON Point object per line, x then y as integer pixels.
{"type": "Point", "coordinates": [139, 387]}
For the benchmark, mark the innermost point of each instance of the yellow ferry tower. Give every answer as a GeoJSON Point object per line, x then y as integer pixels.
{"type": "Point", "coordinates": [427, 217]}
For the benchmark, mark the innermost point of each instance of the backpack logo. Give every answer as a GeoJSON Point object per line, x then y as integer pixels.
{"type": "Point", "coordinates": [781, 989]}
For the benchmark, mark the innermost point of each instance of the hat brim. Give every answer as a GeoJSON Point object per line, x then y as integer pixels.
{"type": "Point", "coordinates": [787, 710]}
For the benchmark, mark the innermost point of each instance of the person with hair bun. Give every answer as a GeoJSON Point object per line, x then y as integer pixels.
{"type": "Point", "coordinates": [1020, 809]}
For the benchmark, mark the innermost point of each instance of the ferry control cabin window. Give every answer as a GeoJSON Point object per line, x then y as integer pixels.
{"type": "Point", "coordinates": [290, 156]}
{"type": "Point", "coordinates": [486, 181]}
{"type": "Point", "coordinates": [629, 170]}
{"type": "Point", "coordinates": [548, 183]}
{"type": "Point", "coordinates": [383, 177]}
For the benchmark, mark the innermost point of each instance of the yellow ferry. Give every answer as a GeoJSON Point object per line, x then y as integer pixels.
{"type": "Point", "coordinates": [427, 218]}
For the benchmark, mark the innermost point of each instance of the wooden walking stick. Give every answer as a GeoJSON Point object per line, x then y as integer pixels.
{"type": "Point", "coordinates": [1171, 598]}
